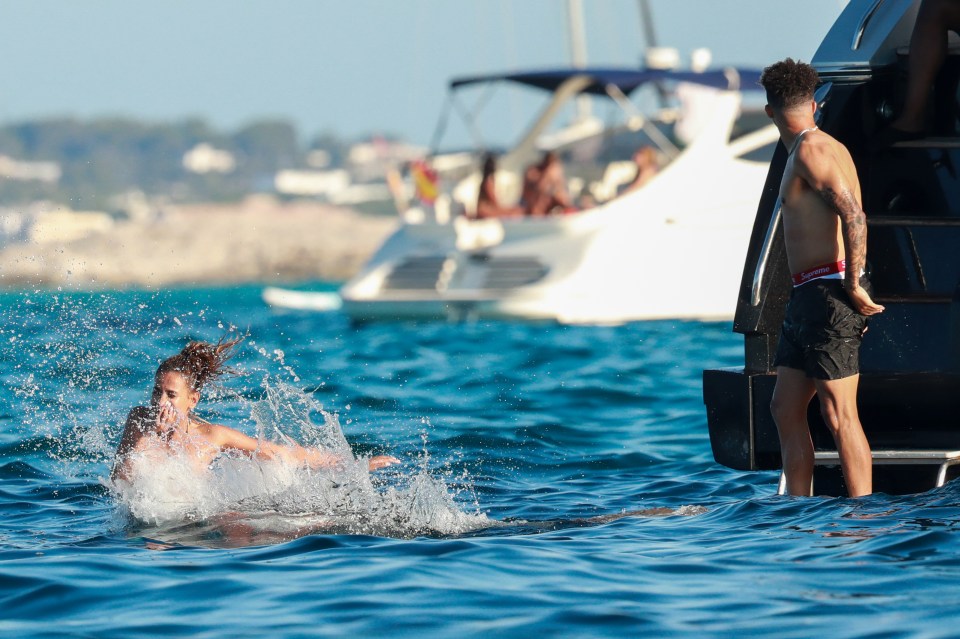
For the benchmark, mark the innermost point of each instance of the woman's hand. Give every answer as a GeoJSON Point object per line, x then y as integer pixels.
{"type": "Point", "coordinates": [168, 416]}
{"type": "Point", "coordinates": [382, 461]}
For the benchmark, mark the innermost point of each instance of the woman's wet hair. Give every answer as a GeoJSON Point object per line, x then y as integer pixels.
{"type": "Point", "coordinates": [489, 164]}
{"type": "Point", "coordinates": [201, 362]}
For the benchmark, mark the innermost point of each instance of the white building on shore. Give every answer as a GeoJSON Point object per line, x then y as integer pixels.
{"type": "Point", "coordinates": [205, 158]}
{"type": "Point", "coordinates": [13, 169]}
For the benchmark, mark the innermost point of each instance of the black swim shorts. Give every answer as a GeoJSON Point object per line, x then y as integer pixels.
{"type": "Point", "coordinates": [822, 331]}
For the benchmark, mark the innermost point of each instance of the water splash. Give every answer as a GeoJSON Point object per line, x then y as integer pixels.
{"type": "Point", "coordinates": [75, 363]}
{"type": "Point", "coordinates": [241, 500]}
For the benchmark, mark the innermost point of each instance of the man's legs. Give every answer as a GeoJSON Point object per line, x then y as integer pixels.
{"type": "Point", "coordinates": [838, 406]}
{"type": "Point", "coordinates": [791, 396]}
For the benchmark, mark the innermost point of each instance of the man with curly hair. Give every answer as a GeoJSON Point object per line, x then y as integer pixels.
{"type": "Point", "coordinates": [826, 241]}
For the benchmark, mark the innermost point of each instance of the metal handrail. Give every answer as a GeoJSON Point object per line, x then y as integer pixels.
{"type": "Point", "coordinates": [862, 26]}
{"type": "Point", "coordinates": [764, 256]}
{"type": "Point", "coordinates": [632, 112]}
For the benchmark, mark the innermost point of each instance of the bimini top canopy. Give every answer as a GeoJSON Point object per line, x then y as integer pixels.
{"type": "Point", "coordinates": [627, 80]}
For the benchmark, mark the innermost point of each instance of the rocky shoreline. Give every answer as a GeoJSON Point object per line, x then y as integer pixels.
{"type": "Point", "coordinates": [260, 240]}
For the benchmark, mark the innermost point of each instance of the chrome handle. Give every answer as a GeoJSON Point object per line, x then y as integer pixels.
{"type": "Point", "coordinates": [764, 256]}
{"type": "Point", "coordinates": [862, 27]}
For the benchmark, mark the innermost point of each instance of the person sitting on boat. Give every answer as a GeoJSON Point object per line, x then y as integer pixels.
{"type": "Point", "coordinates": [928, 50]}
{"type": "Point", "coordinates": [647, 164]}
{"type": "Point", "coordinates": [488, 205]}
{"type": "Point", "coordinates": [168, 426]}
{"type": "Point", "coordinates": [545, 187]}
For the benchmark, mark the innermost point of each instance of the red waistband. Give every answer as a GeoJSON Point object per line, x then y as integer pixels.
{"type": "Point", "coordinates": [817, 272]}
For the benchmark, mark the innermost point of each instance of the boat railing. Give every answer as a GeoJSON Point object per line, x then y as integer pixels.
{"type": "Point", "coordinates": [638, 120]}
{"type": "Point", "coordinates": [765, 250]}
{"type": "Point", "coordinates": [862, 25]}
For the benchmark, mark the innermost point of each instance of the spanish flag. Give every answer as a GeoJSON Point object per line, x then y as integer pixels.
{"type": "Point", "coordinates": [425, 181]}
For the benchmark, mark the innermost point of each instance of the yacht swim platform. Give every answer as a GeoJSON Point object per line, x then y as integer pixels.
{"type": "Point", "coordinates": [943, 458]}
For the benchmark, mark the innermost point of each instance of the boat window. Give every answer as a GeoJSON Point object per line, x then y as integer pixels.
{"type": "Point", "coordinates": [760, 154]}
{"type": "Point", "coordinates": [751, 121]}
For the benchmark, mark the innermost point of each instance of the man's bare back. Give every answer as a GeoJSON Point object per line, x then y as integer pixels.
{"type": "Point", "coordinates": [812, 228]}
{"type": "Point", "coordinates": [823, 221]}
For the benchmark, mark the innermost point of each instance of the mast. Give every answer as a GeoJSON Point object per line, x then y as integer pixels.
{"type": "Point", "coordinates": [577, 35]}
{"type": "Point", "coordinates": [646, 23]}
{"type": "Point", "coordinates": [650, 38]}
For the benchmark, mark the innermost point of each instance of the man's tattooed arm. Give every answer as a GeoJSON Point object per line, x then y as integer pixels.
{"type": "Point", "coordinates": [853, 224]}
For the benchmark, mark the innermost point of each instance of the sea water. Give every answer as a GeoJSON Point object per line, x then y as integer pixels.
{"type": "Point", "coordinates": [554, 481]}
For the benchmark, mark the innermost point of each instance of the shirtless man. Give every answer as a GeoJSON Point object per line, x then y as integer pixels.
{"type": "Point", "coordinates": [826, 240]}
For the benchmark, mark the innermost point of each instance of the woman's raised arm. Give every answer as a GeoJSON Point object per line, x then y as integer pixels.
{"type": "Point", "coordinates": [295, 455]}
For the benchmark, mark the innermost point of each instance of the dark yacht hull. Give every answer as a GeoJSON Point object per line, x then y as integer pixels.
{"type": "Point", "coordinates": [909, 396]}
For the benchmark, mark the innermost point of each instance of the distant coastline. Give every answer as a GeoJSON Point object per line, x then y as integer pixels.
{"type": "Point", "coordinates": [260, 240]}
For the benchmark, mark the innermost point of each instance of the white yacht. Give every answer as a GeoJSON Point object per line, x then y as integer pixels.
{"type": "Point", "coordinates": [673, 248]}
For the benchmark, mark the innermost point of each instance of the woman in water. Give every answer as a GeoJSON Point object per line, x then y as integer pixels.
{"type": "Point", "coordinates": [168, 426]}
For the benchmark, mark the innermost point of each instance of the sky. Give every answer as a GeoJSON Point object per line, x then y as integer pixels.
{"type": "Point", "coordinates": [347, 67]}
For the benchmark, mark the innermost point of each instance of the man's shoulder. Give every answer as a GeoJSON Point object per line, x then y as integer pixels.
{"type": "Point", "coordinates": [821, 153]}
{"type": "Point", "coordinates": [818, 143]}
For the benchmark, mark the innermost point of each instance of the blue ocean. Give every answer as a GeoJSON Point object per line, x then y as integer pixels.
{"type": "Point", "coordinates": [554, 481]}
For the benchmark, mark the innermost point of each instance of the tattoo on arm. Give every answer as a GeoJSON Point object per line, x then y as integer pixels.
{"type": "Point", "coordinates": [853, 224]}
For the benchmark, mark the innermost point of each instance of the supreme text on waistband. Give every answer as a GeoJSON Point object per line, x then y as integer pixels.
{"type": "Point", "coordinates": [833, 271]}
